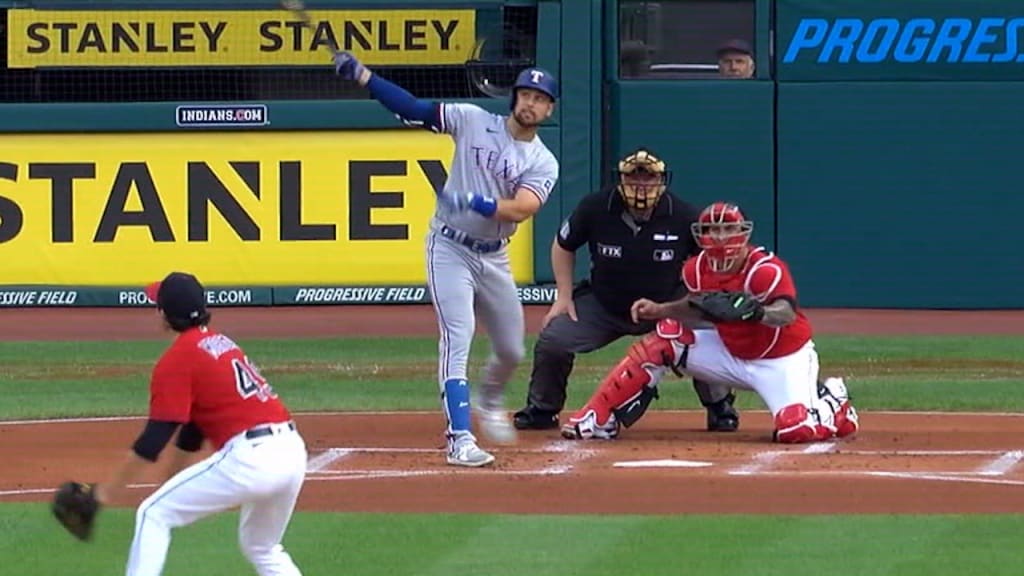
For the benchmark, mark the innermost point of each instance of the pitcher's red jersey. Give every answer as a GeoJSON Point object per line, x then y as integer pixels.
{"type": "Point", "coordinates": [767, 278]}
{"type": "Point", "coordinates": [204, 377]}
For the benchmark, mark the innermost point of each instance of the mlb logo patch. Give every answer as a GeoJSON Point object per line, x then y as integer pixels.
{"type": "Point", "coordinates": [609, 251]}
{"type": "Point", "coordinates": [664, 255]}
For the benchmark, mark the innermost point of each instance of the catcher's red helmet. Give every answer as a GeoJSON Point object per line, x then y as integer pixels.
{"type": "Point", "coordinates": [723, 232]}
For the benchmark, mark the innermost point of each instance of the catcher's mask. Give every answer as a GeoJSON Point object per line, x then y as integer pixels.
{"type": "Point", "coordinates": [723, 233]}
{"type": "Point", "coordinates": [642, 178]}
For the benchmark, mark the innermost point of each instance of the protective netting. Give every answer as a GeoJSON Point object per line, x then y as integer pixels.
{"type": "Point", "coordinates": [150, 56]}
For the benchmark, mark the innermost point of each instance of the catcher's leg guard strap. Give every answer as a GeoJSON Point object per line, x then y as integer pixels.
{"type": "Point", "coordinates": [629, 413]}
{"type": "Point", "coordinates": [645, 363]}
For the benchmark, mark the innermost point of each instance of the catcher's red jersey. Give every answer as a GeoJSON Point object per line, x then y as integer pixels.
{"type": "Point", "coordinates": [204, 377]}
{"type": "Point", "coordinates": [767, 278]}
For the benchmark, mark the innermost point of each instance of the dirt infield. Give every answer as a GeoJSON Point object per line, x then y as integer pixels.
{"type": "Point", "coordinates": [900, 463]}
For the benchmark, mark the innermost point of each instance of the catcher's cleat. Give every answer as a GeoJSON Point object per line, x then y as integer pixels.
{"type": "Point", "coordinates": [585, 427]}
{"type": "Point", "coordinates": [834, 391]}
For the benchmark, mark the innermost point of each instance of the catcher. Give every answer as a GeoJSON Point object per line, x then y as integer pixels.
{"type": "Point", "coordinates": [760, 341]}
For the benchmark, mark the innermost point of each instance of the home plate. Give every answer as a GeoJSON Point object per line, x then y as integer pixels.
{"type": "Point", "coordinates": [661, 464]}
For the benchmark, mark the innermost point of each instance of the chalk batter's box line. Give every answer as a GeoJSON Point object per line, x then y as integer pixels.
{"type": "Point", "coordinates": [997, 463]}
{"type": "Point", "coordinates": [553, 448]}
{"type": "Point", "coordinates": [570, 453]}
{"type": "Point", "coordinates": [966, 477]}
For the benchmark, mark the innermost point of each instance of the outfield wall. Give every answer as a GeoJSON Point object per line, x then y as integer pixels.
{"type": "Point", "coordinates": [877, 149]}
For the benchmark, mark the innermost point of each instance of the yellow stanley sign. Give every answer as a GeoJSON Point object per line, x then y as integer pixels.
{"type": "Point", "coordinates": [157, 38]}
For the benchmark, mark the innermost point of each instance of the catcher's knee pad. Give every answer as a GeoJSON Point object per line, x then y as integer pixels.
{"type": "Point", "coordinates": [795, 424]}
{"type": "Point", "coordinates": [629, 386]}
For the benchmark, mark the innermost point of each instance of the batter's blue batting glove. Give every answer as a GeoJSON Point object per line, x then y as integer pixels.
{"type": "Point", "coordinates": [458, 202]}
{"type": "Point", "coordinates": [348, 66]}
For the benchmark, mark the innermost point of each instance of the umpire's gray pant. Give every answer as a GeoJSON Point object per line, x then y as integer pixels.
{"type": "Point", "coordinates": [560, 341]}
{"type": "Point", "coordinates": [595, 327]}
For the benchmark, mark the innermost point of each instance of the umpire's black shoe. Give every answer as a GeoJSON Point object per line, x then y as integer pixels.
{"type": "Point", "coordinates": [533, 418]}
{"type": "Point", "coordinates": [722, 416]}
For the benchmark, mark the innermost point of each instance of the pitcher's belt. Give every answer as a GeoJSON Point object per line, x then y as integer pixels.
{"type": "Point", "coordinates": [269, 429]}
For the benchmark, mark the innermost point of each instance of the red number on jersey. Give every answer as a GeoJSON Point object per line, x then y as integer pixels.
{"type": "Point", "coordinates": [250, 382]}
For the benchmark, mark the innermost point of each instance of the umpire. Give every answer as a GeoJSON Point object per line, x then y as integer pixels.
{"type": "Point", "coordinates": [639, 236]}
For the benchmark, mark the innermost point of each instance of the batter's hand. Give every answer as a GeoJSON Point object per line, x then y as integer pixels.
{"type": "Point", "coordinates": [558, 307]}
{"type": "Point", "coordinates": [349, 67]}
{"type": "Point", "coordinates": [644, 309]}
{"type": "Point", "coordinates": [454, 201]}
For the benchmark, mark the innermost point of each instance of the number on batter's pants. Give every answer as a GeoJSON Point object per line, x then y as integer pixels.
{"type": "Point", "coordinates": [250, 382]}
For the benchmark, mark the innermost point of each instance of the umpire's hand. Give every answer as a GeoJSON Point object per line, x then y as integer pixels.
{"type": "Point", "coordinates": [558, 307]}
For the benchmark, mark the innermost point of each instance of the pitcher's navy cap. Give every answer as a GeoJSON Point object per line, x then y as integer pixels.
{"type": "Point", "coordinates": [179, 295]}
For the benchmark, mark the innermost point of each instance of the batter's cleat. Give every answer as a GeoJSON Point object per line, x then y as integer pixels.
{"type": "Point", "coordinates": [722, 416]}
{"type": "Point", "coordinates": [496, 426]}
{"type": "Point", "coordinates": [463, 451]}
{"type": "Point", "coordinates": [533, 418]}
{"type": "Point", "coordinates": [587, 428]}
{"type": "Point", "coordinates": [489, 405]}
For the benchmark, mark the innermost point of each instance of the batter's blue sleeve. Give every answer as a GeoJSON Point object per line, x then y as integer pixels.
{"type": "Point", "coordinates": [407, 107]}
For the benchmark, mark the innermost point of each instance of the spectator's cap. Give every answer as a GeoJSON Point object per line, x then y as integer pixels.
{"type": "Point", "coordinates": [180, 296]}
{"type": "Point", "coordinates": [735, 45]}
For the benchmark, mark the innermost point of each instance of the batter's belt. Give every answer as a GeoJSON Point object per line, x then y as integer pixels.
{"type": "Point", "coordinates": [474, 244]}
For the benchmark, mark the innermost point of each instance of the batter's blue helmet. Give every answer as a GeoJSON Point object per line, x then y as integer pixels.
{"type": "Point", "coordinates": [537, 79]}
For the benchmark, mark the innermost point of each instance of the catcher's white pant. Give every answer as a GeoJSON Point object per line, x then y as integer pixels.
{"type": "Point", "coordinates": [263, 476]}
{"type": "Point", "coordinates": [780, 382]}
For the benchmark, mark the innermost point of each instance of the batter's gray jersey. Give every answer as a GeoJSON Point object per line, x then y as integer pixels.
{"type": "Point", "coordinates": [488, 161]}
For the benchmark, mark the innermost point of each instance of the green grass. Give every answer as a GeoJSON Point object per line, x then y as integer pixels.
{"type": "Point", "coordinates": [491, 545]}
{"type": "Point", "coordinates": [44, 379]}
{"type": "Point", "coordinates": [906, 373]}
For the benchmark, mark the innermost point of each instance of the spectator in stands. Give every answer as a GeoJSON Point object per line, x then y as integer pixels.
{"type": "Point", "coordinates": [736, 60]}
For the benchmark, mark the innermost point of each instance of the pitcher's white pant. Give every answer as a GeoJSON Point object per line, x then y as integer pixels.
{"type": "Point", "coordinates": [792, 379]}
{"type": "Point", "coordinates": [263, 476]}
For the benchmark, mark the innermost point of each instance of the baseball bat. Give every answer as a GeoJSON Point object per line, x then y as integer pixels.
{"type": "Point", "coordinates": [298, 9]}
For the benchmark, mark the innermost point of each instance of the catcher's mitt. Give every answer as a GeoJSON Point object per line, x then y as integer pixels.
{"type": "Point", "coordinates": [727, 307]}
{"type": "Point", "coordinates": [75, 506]}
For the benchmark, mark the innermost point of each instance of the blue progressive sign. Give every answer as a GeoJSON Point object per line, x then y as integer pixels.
{"type": "Point", "coordinates": [906, 40]}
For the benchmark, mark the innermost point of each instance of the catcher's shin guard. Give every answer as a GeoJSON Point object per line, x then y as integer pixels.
{"type": "Point", "coordinates": [632, 380]}
{"type": "Point", "coordinates": [796, 424]}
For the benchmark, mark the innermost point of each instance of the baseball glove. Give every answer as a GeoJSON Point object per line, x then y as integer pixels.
{"type": "Point", "coordinates": [727, 307]}
{"type": "Point", "coordinates": [75, 506]}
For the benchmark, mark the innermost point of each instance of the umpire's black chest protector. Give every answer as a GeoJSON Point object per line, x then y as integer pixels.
{"type": "Point", "coordinates": [630, 259]}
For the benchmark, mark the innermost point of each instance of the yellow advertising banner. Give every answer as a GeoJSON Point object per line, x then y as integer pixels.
{"type": "Point", "coordinates": [275, 208]}
{"type": "Point", "coordinates": [157, 38]}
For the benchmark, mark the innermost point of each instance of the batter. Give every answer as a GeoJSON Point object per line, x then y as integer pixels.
{"type": "Point", "coordinates": [501, 175]}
